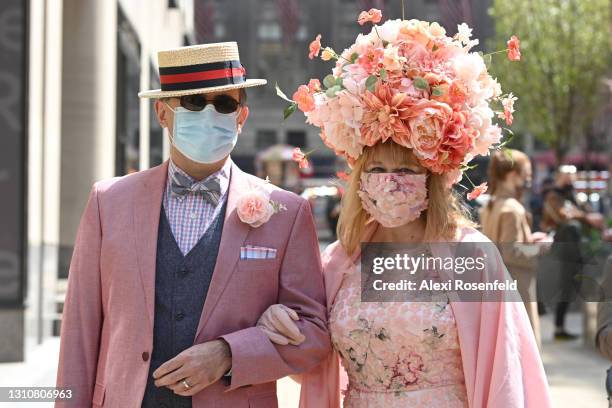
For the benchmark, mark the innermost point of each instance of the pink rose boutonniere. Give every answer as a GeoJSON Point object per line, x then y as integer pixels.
{"type": "Point", "coordinates": [255, 207]}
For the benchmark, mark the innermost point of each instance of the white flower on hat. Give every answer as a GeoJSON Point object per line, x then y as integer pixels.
{"type": "Point", "coordinates": [464, 33]}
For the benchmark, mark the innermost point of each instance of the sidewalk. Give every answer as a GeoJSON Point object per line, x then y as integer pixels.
{"type": "Point", "coordinates": [576, 374]}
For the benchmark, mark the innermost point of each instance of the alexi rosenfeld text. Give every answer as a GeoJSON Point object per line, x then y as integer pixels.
{"type": "Point", "coordinates": [420, 266]}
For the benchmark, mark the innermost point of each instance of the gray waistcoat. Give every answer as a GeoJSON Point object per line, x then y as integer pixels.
{"type": "Point", "coordinates": [181, 285]}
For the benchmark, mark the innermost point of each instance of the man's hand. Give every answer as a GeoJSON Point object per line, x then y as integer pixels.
{"type": "Point", "coordinates": [200, 366]}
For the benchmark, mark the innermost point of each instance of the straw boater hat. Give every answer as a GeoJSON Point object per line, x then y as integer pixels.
{"type": "Point", "coordinates": [200, 69]}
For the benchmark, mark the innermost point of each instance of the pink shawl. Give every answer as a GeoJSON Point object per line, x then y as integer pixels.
{"type": "Point", "coordinates": [501, 362]}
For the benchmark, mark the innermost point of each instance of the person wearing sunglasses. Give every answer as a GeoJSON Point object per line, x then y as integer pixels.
{"type": "Point", "coordinates": [174, 265]}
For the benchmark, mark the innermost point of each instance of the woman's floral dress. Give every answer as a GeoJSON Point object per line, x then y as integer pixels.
{"type": "Point", "coordinates": [397, 354]}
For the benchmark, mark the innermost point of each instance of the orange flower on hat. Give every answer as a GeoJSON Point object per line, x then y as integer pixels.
{"type": "Point", "coordinates": [304, 99]}
{"type": "Point", "coordinates": [477, 191]}
{"type": "Point", "coordinates": [514, 49]}
{"type": "Point", "coordinates": [384, 115]}
{"type": "Point", "coordinates": [342, 175]}
{"type": "Point", "coordinates": [299, 157]}
{"type": "Point", "coordinates": [315, 47]}
{"type": "Point", "coordinates": [371, 16]}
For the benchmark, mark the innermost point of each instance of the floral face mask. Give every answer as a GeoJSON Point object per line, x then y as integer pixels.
{"type": "Point", "coordinates": [393, 199]}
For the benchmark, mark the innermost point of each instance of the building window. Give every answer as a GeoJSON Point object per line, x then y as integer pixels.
{"type": "Point", "coordinates": [269, 31]}
{"type": "Point", "coordinates": [265, 138]}
{"type": "Point", "coordinates": [220, 31]}
{"type": "Point", "coordinates": [296, 138]}
{"type": "Point", "coordinates": [128, 103]}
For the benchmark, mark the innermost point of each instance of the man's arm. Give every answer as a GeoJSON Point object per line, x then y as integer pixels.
{"type": "Point", "coordinates": [82, 316]}
{"type": "Point", "coordinates": [255, 359]}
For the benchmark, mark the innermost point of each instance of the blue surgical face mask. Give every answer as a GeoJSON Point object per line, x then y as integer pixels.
{"type": "Point", "coordinates": [205, 136]}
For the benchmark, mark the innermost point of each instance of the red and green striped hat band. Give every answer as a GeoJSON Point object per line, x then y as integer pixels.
{"type": "Point", "coordinates": [198, 76]}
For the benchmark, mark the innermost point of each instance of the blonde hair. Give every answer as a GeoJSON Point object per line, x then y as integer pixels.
{"type": "Point", "coordinates": [444, 215]}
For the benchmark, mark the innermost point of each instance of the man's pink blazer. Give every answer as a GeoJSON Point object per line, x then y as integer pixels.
{"type": "Point", "coordinates": [107, 326]}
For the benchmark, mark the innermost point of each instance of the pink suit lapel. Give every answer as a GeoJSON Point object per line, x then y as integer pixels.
{"type": "Point", "coordinates": [146, 211]}
{"type": "Point", "coordinates": [232, 238]}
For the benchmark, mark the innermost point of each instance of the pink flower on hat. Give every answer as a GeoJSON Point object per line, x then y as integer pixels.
{"type": "Point", "coordinates": [508, 104]}
{"type": "Point", "coordinates": [477, 191]}
{"type": "Point", "coordinates": [514, 49]}
{"type": "Point", "coordinates": [371, 16]}
{"type": "Point", "coordinates": [314, 85]}
{"type": "Point", "coordinates": [456, 143]}
{"type": "Point", "coordinates": [385, 112]}
{"type": "Point", "coordinates": [427, 125]}
{"type": "Point", "coordinates": [314, 47]}
{"type": "Point", "coordinates": [304, 99]}
{"type": "Point", "coordinates": [299, 157]}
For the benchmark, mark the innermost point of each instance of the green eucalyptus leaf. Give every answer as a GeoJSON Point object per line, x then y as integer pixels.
{"type": "Point", "coordinates": [329, 81]}
{"type": "Point", "coordinates": [383, 74]}
{"type": "Point", "coordinates": [438, 91]}
{"type": "Point", "coordinates": [421, 83]}
{"type": "Point", "coordinates": [354, 57]}
{"type": "Point", "coordinates": [339, 82]}
{"type": "Point", "coordinates": [371, 83]}
{"type": "Point", "coordinates": [331, 92]}
{"type": "Point", "coordinates": [289, 110]}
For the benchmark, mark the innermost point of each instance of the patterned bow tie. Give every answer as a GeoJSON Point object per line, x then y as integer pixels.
{"type": "Point", "coordinates": [210, 189]}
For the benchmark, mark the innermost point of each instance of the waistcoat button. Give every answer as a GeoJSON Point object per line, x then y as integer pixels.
{"type": "Point", "coordinates": [145, 355]}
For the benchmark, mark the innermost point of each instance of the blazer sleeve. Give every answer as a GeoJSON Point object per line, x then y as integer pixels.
{"type": "Point", "coordinates": [82, 315]}
{"type": "Point", "coordinates": [255, 359]}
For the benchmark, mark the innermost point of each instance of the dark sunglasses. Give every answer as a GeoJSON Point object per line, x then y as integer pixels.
{"type": "Point", "coordinates": [222, 103]}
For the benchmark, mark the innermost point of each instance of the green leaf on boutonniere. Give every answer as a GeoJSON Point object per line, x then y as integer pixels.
{"type": "Point", "coordinates": [331, 92]}
{"type": "Point", "coordinates": [421, 83]}
{"type": "Point", "coordinates": [339, 82]}
{"type": "Point", "coordinates": [438, 91]}
{"type": "Point", "coordinates": [277, 206]}
{"type": "Point", "coordinates": [354, 57]}
{"type": "Point", "coordinates": [383, 74]}
{"type": "Point", "coordinates": [289, 110]}
{"type": "Point", "coordinates": [329, 81]}
{"type": "Point", "coordinates": [281, 93]}
{"type": "Point", "coordinates": [371, 83]}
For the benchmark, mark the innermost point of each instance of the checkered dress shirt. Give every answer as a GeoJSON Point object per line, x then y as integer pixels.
{"type": "Point", "coordinates": [190, 215]}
